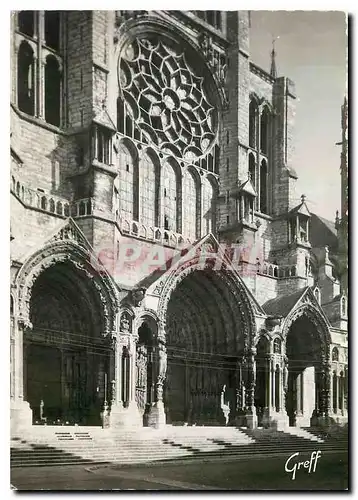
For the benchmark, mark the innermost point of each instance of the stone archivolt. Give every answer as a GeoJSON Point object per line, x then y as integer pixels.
{"type": "Point", "coordinates": [68, 246]}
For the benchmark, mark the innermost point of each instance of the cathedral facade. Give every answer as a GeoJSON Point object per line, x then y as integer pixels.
{"type": "Point", "coordinates": [163, 269]}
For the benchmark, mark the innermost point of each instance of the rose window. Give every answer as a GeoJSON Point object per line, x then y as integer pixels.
{"type": "Point", "coordinates": [167, 100]}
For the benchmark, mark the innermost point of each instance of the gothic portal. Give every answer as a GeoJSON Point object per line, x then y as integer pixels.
{"type": "Point", "coordinates": [163, 269]}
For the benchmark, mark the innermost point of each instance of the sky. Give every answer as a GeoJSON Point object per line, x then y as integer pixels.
{"type": "Point", "coordinates": [311, 51]}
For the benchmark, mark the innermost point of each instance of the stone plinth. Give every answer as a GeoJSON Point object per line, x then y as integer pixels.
{"type": "Point", "coordinates": [20, 415]}
{"type": "Point", "coordinates": [120, 417]}
{"type": "Point", "coordinates": [156, 415]}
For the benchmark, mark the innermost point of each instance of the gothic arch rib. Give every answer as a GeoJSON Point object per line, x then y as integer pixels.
{"type": "Point", "coordinates": [314, 315]}
{"type": "Point", "coordinates": [68, 245]}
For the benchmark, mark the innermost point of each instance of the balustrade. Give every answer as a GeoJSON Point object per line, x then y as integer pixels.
{"type": "Point", "coordinates": [152, 233]}
{"type": "Point", "coordinates": [50, 203]}
{"type": "Point", "coordinates": [276, 271]}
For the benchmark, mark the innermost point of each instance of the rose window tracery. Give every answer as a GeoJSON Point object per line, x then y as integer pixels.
{"type": "Point", "coordinates": [166, 99]}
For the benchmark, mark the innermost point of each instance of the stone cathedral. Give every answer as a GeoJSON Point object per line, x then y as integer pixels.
{"type": "Point", "coordinates": [164, 270]}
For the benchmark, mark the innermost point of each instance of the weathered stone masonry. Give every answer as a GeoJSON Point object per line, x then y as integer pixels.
{"type": "Point", "coordinates": [142, 144]}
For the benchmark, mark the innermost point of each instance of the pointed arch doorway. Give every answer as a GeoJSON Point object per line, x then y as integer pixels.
{"type": "Point", "coordinates": [308, 383]}
{"type": "Point", "coordinates": [207, 334]}
{"type": "Point", "coordinates": [66, 358]}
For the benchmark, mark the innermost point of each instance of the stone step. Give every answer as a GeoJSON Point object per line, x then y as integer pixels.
{"type": "Point", "coordinates": [134, 460]}
{"type": "Point", "coordinates": [101, 446]}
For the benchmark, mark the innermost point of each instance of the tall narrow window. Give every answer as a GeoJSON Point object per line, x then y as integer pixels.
{"type": "Point", "coordinates": [210, 17]}
{"type": "Point", "coordinates": [263, 187]}
{"type": "Point", "coordinates": [264, 131]}
{"type": "Point", "coordinates": [40, 79]}
{"type": "Point", "coordinates": [26, 79]}
{"type": "Point", "coordinates": [128, 187]}
{"type": "Point", "coordinates": [170, 197]}
{"type": "Point", "coordinates": [208, 217]}
{"type": "Point", "coordinates": [52, 91]}
{"type": "Point", "coordinates": [252, 124]}
{"type": "Point", "coordinates": [149, 182]}
{"type": "Point", "coordinates": [190, 205]}
{"type": "Point", "coordinates": [52, 29]}
{"type": "Point", "coordinates": [252, 169]}
{"type": "Point", "coordinates": [102, 145]}
{"type": "Point", "coordinates": [218, 23]}
{"type": "Point", "coordinates": [120, 116]}
{"type": "Point", "coordinates": [26, 22]}
{"type": "Point", "coordinates": [335, 354]}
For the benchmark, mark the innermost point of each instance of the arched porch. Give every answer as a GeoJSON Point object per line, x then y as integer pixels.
{"type": "Point", "coordinates": [308, 391]}
{"type": "Point", "coordinates": [205, 367]}
{"type": "Point", "coordinates": [63, 323]}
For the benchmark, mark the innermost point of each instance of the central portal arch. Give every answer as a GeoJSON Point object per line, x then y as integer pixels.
{"type": "Point", "coordinates": [208, 332]}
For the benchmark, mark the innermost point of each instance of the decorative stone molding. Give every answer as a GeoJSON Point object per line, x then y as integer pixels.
{"type": "Point", "coordinates": [64, 248]}
{"type": "Point", "coordinates": [217, 62]}
{"type": "Point", "coordinates": [234, 284]}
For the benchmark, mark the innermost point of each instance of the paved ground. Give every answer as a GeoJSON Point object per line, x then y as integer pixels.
{"type": "Point", "coordinates": [255, 473]}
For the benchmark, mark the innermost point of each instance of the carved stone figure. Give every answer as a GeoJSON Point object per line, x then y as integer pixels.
{"type": "Point", "coordinates": [126, 322]}
{"type": "Point", "coordinates": [162, 362]}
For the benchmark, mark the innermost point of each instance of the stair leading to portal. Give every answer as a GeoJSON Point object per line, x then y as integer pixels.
{"type": "Point", "coordinates": [48, 445]}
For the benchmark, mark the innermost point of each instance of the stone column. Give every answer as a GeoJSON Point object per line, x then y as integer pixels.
{"type": "Point", "coordinates": [326, 388]}
{"type": "Point", "coordinates": [120, 415]}
{"type": "Point", "coordinates": [324, 403]}
{"type": "Point", "coordinates": [346, 390]}
{"type": "Point", "coordinates": [279, 375]}
{"type": "Point", "coordinates": [156, 416]}
{"type": "Point", "coordinates": [239, 414]}
{"type": "Point", "coordinates": [251, 416]}
{"type": "Point", "coordinates": [12, 359]}
{"type": "Point", "coordinates": [279, 382]}
{"type": "Point", "coordinates": [331, 395]}
{"type": "Point", "coordinates": [20, 411]}
{"type": "Point", "coordinates": [339, 393]}
{"type": "Point", "coordinates": [273, 385]}
{"type": "Point", "coordinates": [41, 64]}
{"type": "Point", "coordinates": [269, 383]}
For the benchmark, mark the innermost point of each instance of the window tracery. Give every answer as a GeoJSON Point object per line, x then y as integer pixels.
{"type": "Point", "coordinates": [166, 99]}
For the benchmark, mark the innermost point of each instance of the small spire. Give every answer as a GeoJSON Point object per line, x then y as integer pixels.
{"type": "Point", "coordinates": [273, 70]}
{"type": "Point", "coordinates": [303, 197]}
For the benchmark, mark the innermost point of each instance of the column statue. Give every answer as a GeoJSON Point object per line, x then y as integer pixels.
{"type": "Point", "coordinates": [156, 415]}
{"type": "Point", "coordinates": [162, 368]}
